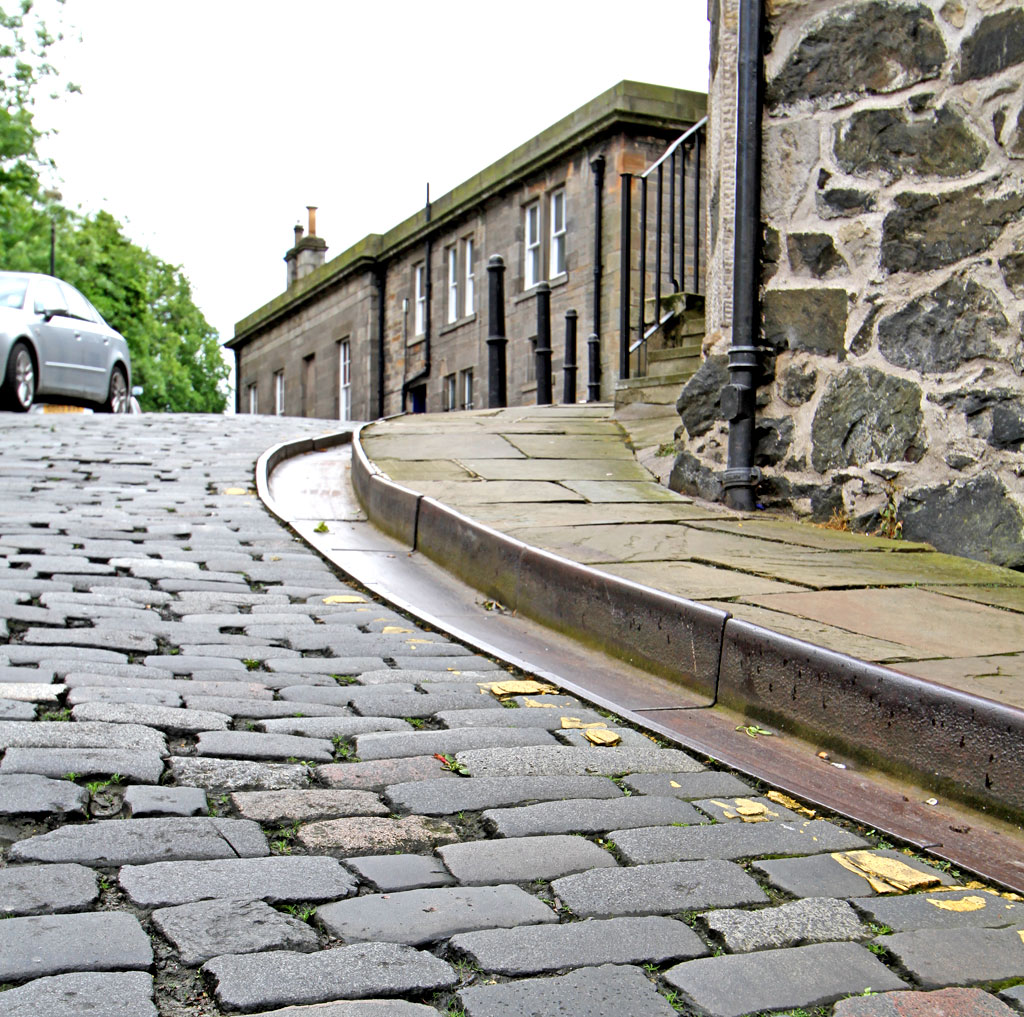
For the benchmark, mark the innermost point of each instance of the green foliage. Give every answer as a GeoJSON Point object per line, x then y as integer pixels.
{"type": "Point", "coordinates": [175, 352]}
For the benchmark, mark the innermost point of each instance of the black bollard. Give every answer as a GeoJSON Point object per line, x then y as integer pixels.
{"type": "Point", "coordinates": [594, 380]}
{"type": "Point", "coordinates": [496, 341]}
{"type": "Point", "coordinates": [543, 354]}
{"type": "Point", "coordinates": [569, 364]}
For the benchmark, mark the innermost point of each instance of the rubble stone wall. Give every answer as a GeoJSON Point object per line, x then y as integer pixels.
{"type": "Point", "coordinates": [893, 272]}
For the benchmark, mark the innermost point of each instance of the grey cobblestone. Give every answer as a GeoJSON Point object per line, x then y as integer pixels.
{"type": "Point", "coordinates": [521, 859]}
{"type": "Point", "coordinates": [590, 815]}
{"type": "Point", "coordinates": [814, 920]}
{"type": "Point", "coordinates": [935, 958]}
{"type": "Point", "coordinates": [163, 718]}
{"type": "Point", "coordinates": [165, 801]}
{"type": "Point", "coordinates": [124, 994]}
{"type": "Point", "coordinates": [294, 806]}
{"type": "Point", "coordinates": [58, 735]}
{"type": "Point", "coordinates": [46, 889]}
{"type": "Point", "coordinates": [389, 744]}
{"type": "Point", "coordinates": [237, 774]}
{"type": "Point", "coordinates": [11, 709]}
{"type": "Point", "coordinates": [926, 911]}
{"type": "Point", "coordinates": [145, 767]}
{"type": "Point", "coordinates": [388, 873]}
{"type": "Point", "coordinates": [437, 798]}
{"type": "Point", "coordinates": [255, 745]}
{"type": "Point", "coordinates": [572, 761]}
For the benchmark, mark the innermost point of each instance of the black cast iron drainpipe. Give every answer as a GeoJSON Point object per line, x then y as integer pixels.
{"type": "Point", "coordinates": [597, 166]}
{"type": "Point", "coordinates": [739, 397]}
{"type": "Point", "coordinates": [424, 372]}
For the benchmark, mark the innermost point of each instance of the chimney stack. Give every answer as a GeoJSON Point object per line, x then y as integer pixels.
{"type": "Point", "coordinates": [308, 253]}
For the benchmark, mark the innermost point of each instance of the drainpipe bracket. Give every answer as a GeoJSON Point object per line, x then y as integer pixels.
{"type": "Point", "coordinates": [741, 476]}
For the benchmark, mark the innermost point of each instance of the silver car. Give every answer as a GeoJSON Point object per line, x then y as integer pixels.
{"type": "Point", "coordinates": [54, 346]}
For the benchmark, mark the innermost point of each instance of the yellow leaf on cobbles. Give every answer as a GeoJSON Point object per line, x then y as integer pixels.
{"type": "Point", "coordinates": [790, 803]}
{"type": "Point", "coordinates": [393, 630]}
{"type": "Point", "coordinates": [526, 687]}
{"type": "Point", "coordinates": [753, 812]}
{"type": "Point", "coordinates": [575, 724]}
{"type": "Point", "coordinates": [602, 736]}
{"type": "Point", "coordinates": [238, 490]}
{"type": "Point", "coordinates": [884, 875]}
{"type": "Point", "coordinates": [415, 642]}
{"type": "Point", "coordinates": [344, 598]}
{"type": "Point", "coordinates": [539, 706]}
{"type": "Point", "coordinates": [673, 783]}
{"type": "Point", "coordinates": [971, 903]}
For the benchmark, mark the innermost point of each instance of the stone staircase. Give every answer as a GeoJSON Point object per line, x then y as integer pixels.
{"type": "Point", "coordinates": [669, 358]}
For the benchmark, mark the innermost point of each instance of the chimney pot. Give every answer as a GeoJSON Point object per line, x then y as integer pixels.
{"type": "Point", "coordinates": [312, 219]}
{"type": "Point", "coordinates": [298, 232]}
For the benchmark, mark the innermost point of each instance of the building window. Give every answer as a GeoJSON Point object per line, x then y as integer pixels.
{"type": "Point", "coordinates": [467, 389]}
{"type": "Point", "coordinates": [344, 380]}
{"type": "Point", "coordinates": [279, 393]}
{"type": "Point", "coordinates": [558, 232]}
{"type": "Point", "coordinates": [469, 291]}
{"type": "Point", "coordinates": [452, 259]}
{"type": "Point", "coordinates": [254, 399]}
{"type": "Point", "coordinates": [420, 288]}
{"type": "Point", "coordinates": [449, 393]}
{"type": "Point", "coordinates": [533, 268]}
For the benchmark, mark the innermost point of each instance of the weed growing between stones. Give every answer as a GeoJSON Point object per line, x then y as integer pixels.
{"type": "Point", "coordinates": [62, 714]}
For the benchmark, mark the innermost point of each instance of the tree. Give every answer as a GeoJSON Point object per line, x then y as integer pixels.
{"type": "Point", "coordinates": [175, 352]}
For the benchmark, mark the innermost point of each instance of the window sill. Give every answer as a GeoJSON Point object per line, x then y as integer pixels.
{"type": "Point", "coordinates": [458, 323]}
{"type": "Point", "coordinates": [558, 280]}
{"type": "Point", "coordinates": [415, 341]}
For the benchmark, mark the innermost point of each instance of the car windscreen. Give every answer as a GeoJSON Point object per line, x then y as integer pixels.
{"type": "Point", "coordinates": [12, 290]}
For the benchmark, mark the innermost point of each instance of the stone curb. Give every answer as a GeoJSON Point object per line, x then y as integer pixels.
{"type": "Point", "coordinates": [972, 746]}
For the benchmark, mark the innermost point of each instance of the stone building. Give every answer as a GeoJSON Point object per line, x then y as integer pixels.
{"type": "Point", "coordinates": [399, 320]}
{"type": "Point", "coordinates": [892, 296]}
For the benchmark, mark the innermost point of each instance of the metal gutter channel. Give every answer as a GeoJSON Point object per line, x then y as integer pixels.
{"type": "Point", "coordinates": [913, 731]}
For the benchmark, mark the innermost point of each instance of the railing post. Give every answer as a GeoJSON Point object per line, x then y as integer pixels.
{"type": "Point", "coordinates": [496, 341]}
{"type": "Point", "coordinates": [657, 250]}
{"type": "Point", "coordinates": [682, 216]}
{"type": "Point", "coordinates": [672, 223]}
{"type": "Point", "coordinates": [696, 213]}
{"type": "Point", "coordinates": [543, 353]}
{"type": "Point", "coordinates": [641, 326]}
{"type": "Point", "coordinates": [569, 363]}
{"type": "Point", "coordinates": [594, 373]}
{"type": "Point", "coordinates": [625, 238]}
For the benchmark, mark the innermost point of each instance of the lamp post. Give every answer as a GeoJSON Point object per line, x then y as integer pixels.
{"type": "Point", "coordinates": [53, 195]}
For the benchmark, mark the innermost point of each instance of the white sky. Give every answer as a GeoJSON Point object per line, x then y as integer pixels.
{"type": "Point", "coordinates": [207, 126]}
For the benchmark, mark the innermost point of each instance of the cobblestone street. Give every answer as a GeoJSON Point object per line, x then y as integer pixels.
{"type": "Point", "coordinates": [233, 782]}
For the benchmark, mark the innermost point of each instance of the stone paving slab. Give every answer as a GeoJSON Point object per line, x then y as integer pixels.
{"type": "Point", "coordinates": [31, 794]}
{"type": "Point", "coordinates": [417, 917]}
{"type": "Point", "coordinates": [521, 859]}
{"type": "Point", "coordinates": [572, 761]}
{"type": "Point", "coordinates": [303, 806]}
{"type": "Point", "coordinates": [377, 774]}
{"type": "Point", "coordinates": [441, 798]}
{"type": "Point", "coordinates": [935, 958]}
{"type": "Point", "coordinates": [331, 727]}
{"type": "Point", "coordinates": [664, 889]}
{"type": "Point", "coordinates": [165, 801]}
{"type": "Point", "coordinates": [806, 976]}
{"type": "Point", "coordinates": [388, 745]}
{"type": "Point", "coordinates": [590, 815]}
{"type": "Point", "coordinates": [144, 840]}
{"type": "Point", "coordinates": [611, 990]}
{"type": "Point", "coordinates": [163, 718]}
{"type": "Point", "coordinates": [55, 944]}
{"type": "Point", "coordinates": [943, 1003]}
{"type": "Point", "coordinates": [58, 735]}
{"type": "Point", "coordinates": [942, 911]}
{"type": "Point", "coordinates": [369, 835]}
{"type": "Point", "coordinates": [237, 774]}
{"type": "Point", "coordinates": [124, 994]}
{"type": "Point", "coordinates": [538, 949]}
{"type": "Point", "coordinates": [255, 745]}
{"type": "Point", "coordinates": [46, 889]}
{"type": "Point", "coordinates": [277, 880]}
{"type": "Point", "coordinates": [211, 928]}
{"type": "Point", "coordinates": [388, 873]}
{"type": "Point", "coordinates": [144, 767]}
{"type": "Point", "coordinates": [799, 923]}
{"type": "Point", "coordinates": [822, 876]}
{"type": "Point", "coordinates": [732, 840]}
{"type": "Point", "coordinates": [284, 978]}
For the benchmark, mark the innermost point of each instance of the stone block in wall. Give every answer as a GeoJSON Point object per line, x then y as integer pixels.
{"type": "Point", "coordinates": [815, 254]}
{"type": "Point", "coordinates": [812, 319]}
{"type": "Point", "coordinates": [789, 153]}
{"type": "Point", "coordinates": [977, 519]}
{"type": "Point", "coordinates": [797, 384]}
{"type": "Point", "coordinates": [771, 253]}
{"type": "Point", "coordinates": [995, 44]}
{"type": "Point", "coordinates": [843, 202]}
{"type": "Point", "coordinates": [863, 48]}
{"type": "Point", "coordinates": [699, 402]}
{"type": "Point", "coordinates": [866, 416]}
{"type": "Point", "coordinates": [772, 439]}
{"type": "Point", "coordinates": [939, 331]}
{"type": "Point", "coordinates": [892, 144]}
{"type": "Point", "coordinates": [1012, 267]}
{"type": "Point", "coordinates": [690, 476]}
{"type": "Point", "coordinates": [993, 413]}
{"type": "Point", "coordinates": [927, 231]}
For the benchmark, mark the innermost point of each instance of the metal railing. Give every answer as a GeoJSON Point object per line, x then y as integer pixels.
{"type": "Point", "coordinates": [682, 240]}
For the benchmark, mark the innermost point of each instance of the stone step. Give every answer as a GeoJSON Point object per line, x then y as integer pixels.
{"type": "Point", "coordinates": [661, 366]}
{"type": "Point", "coordinates": [662, 390]}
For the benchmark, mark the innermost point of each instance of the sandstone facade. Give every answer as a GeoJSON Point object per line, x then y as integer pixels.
{"type": "Point", "coordinates": [893, 268]}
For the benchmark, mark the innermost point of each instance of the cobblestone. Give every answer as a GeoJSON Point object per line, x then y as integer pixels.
{"type": "Point", "coordinates": [46, 889]}
{"type": "Point", "coordinates": [589, 815]}
{"type": "Point", "coordinates": [439, 798]}
{"type": "Point", "coordinates": [520, 859]}
{"type": "Point", "coordinates": [145, 767]}
{"type": "Point", "coordinates": [31, 795]}
{"type": "Point", "coordinates": [126, 994]}
{"type": "Point", "coordinates": [935, 958]}
{"type": "Point", "coordinates": [572, 761]}
{"type": "Point", "coordinates": [814, 920]}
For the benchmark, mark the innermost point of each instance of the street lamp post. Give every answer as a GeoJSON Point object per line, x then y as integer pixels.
{"type": "Point", "coordinates": [53, 195]}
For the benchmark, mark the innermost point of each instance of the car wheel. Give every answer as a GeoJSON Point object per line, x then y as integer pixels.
{"type": "Point", "coordinates": [20, 381]}
{"type": "Point", "coordinates": [117, 395]}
